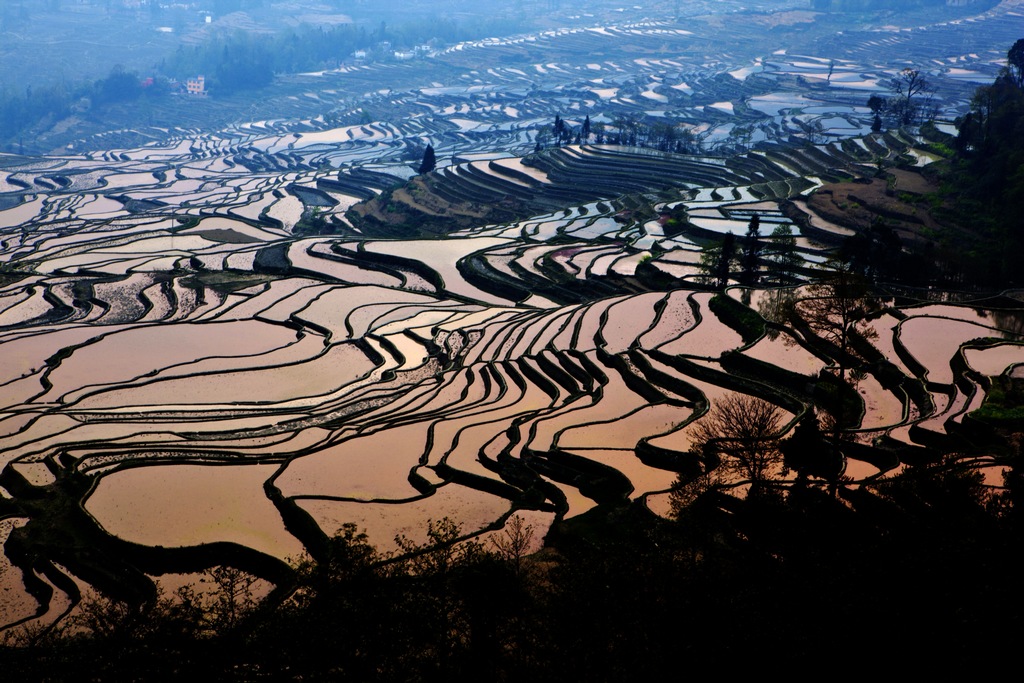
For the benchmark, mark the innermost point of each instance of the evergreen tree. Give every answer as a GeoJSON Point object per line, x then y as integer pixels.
{"type": "Point", "coordinates": [725, 258]}
{"type": "Point", "coordinates": [429, 160]}
{"type": "Point", "coordinates": [988, 181]}
{"type": "Point", "coordinates": [809, 453]}
{"type": "Point", "coordinates": [838, 304]}
{"type": "Point", "coordinates": [1015, 63]}
{"type": "Point", "coordinates": [781, 253]}
{"type": "Point", "coordinates": [967, 134]}
{"type": "Point", "coordinates": [751, 251]}
{"type": "Point", "coordinates": [876, 103]}
{"type": "Point", "coordinates": [586, 129]}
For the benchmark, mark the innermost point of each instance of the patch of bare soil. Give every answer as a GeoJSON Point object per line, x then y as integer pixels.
{"type": "Point", "coordinates": [418, 207]}
{"type": "Point", "coordinates": [789, 18]}
{"type": "Point", "coordinates": [761, 20]}
{"type": "Point", "coordinates": [65, 124]}
{"type": "Point", "coordinates": [419, 196]}
{"type": "Point", "coordinates": [228, 236]}
{"type": "Point", "coordinates": [910, 181]}
{"type": "Point", "coordinates": [896, 199]}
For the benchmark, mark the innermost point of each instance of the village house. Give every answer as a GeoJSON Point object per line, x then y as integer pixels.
{"type": "Point", "coordinates": [196, 86]}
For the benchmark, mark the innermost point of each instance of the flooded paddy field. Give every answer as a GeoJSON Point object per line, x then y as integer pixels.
{"type": "Point", "coordinates": [200, 380]}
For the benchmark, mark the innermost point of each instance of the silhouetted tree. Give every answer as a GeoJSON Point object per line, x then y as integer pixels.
{"type": "Point", "coordinates": [514, 544]}
{"type": "Point", "coordinates": [876, 103]}
{"type": "Point", "coordinates": [907, 85]}
{"type": "Point", "coordinates": [429, 160]}
{"type": "Point", "coordinates": [876, 253]}
{"type": "Point", "coordinates": [560, 130]}
{"type": "Point", "coordinates": [808, 451]}
{"type": "Point", "coordinates": [743, 431]}
{"type": "Point", "coordinates": [717, 261]}
{"type": "Point", "coordinates": [836, 305]}
{"type": "Point", "coordinates": [780, 251]}
{"type": "Point", "coordinates": [1015, 63]}
{"type": "Point", "coordinates": [725, 258]}
{"type": "Point", "coordinates": [751, 252]}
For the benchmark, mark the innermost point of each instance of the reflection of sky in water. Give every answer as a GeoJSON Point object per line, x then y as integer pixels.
{"type": "Point", "coordinates": [233, 379]}
{"type": "Point", "coordinates": [774, 103]}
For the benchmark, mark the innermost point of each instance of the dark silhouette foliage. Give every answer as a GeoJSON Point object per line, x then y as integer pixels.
{"type": "Point", "coordinates": [986, 181]}
{"type": "Point", "coordinates": [619, 593]}
{"type": "Point", "coordinates": [429, 162]}
{"type": "Point", "coordinates": [750, 261]}
{"type": "Point", "coordinates": [723, 265]}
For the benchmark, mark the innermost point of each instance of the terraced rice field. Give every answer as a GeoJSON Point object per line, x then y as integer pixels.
{"type": "Point", "coordinates": [187, 381]}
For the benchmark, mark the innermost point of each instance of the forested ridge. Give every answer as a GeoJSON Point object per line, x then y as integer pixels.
{"type": "Point", "coordinates": [986, 178]}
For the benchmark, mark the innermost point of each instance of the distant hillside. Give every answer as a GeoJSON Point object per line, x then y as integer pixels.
{"type": "Point", "coordinates": [869, 5]}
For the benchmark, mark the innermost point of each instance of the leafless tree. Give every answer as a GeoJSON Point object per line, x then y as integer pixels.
{"type": "Point", "coordinates": [513, 544]}
{"type": "Point", "coordinates": [441, 552]}
{"type": "Point", "coordinates": [234, 598]}
{"type": "Point", "coordinates": [816, 133]}
{"type": "Point", "coordinates": [907, 85]}
{"type": "Point", "coordinates": [837, 305]}
{"type": "Point", "coordinates": [744, 432]}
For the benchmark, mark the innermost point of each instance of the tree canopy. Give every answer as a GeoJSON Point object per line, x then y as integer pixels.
{"type": "Point", "coordinates": [743, 431]}
{"type": "Point", "coordinates": [838, 305]}
{"type": "Point", "coordinates": [987, 179]}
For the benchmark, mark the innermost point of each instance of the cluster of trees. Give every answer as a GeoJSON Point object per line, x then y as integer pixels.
{"type": "Point", "coordinates": [752, 260]}
{"type": "Point", "coordinates": [986, 182]}
{"type": "Point", "coordinates": [981, 186]}
{"type": "Point", "coordinates": [564, 133]}
{"type": "Point", "coordinates": [244, 61]}
{"type": "Point", "coordinates": [226, 57]}
{"type": "Point", "coordinates": [13, 16]}
{"type": "Point", "coordinates": [911, 100]}
{"type": "Point", "coordinates": [623, 130]}
{"type": "Point", "coordinates": [20, 113]}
